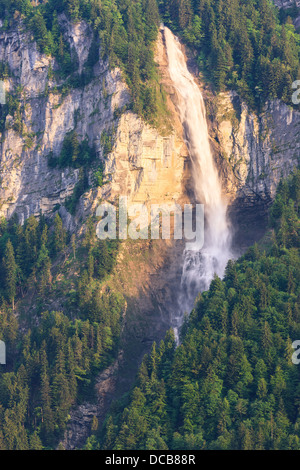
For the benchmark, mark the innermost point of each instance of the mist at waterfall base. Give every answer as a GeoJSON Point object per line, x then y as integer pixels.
{"type": "Point", "coordinates": [199, 267]}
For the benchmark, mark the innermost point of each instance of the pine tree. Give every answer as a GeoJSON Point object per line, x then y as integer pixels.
{"type": "Point", "coordinates": [184, 13]}
{"type": "Point", "coordinates": [73, 7]}
{"type": "Point", "coordinates": [73, 244]}
{"type": "Point", "coordinates": [59, 235]}
{"type": "Point", "coordinates": [44, 270]}
{"type": "Point", "coordinates": [152, 15]}
{"type": "Point", "coordinates": [35, 442]}
{"type": "Point", "coordinates": [10, 273]}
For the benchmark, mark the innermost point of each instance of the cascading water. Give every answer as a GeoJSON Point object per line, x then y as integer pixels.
{"type": "Point", "coordinates": [200, 267]}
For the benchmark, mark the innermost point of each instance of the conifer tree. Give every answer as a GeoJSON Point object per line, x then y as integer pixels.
{"type": "Point", "coordinates": [59, 235]}
{"type": "Point", "coordinates": [10, 273]}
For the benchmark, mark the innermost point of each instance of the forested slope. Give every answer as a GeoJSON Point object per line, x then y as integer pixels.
{"type": "Point", "coordinates": [231, 384]}
{"type": "Point", "coordinates": [53, 357]}
{"type": "Point", "coordinates": [249, 46]}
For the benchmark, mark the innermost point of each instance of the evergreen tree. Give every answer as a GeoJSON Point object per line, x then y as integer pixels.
{"type": "Point", "coordinates": [10, 273]}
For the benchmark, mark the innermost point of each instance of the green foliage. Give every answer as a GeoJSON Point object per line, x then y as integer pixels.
{"type": "Point", "coordinates": [248, 46]}
{"type": "Point", "coordinates": [73, 154]}
{"type": "Point", "coordinates": [77, 155]}
{"type": "Point", "coordinates": [5, 71]}
{"type": "Point", "coordinates": [245, 45]}
{"type": "Point", "coordinates": [231, 383]}
{"type": "Point", "coordinates": [98, 177]}
{"type": "Point", "coordinates": [80, 188]}
{"type": "Point", "coordinates": [126, 31]}
{"type": "Point", "coordinates": [10, 272]}
{"type": "Point", "coordinates": [12, 108]}
{"type": "Point", "coordinates": [52, 365]}
{"type": "Point", "coordinates": [107, 139]}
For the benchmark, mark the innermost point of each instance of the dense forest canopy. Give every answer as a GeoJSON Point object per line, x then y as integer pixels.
{"type": "Point", "coordinates": [247, 45]}
{"type": "Point", "coordinates": [231, 384]}
{"type": "Point", "coordinates": [52, 357]}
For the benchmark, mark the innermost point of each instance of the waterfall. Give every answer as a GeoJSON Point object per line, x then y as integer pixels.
{"type": "Point", "coordinates": [199, 268]}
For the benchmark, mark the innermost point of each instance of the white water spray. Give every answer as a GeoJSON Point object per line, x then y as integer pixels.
{"type": "Point", "coordinates": [198, 267]}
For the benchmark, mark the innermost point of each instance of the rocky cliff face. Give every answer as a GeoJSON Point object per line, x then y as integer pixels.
{"type": "Point", "coordinates": [142, 166]}
{"type": "Point", "coordinates": [145, 166]}
{"type": "Point", "coordinates": [28, 186]}
{"type": "Point", "coordinates": [258, 150]}
{"type": "Point", "coordinates": [286, 3]}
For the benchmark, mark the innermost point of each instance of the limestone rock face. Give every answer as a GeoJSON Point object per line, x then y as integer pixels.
{"type": "Point", "coordinates": [143, 165]}
{"type": "Point", "coordinates": [254, 152]}
{"type": "Point", "coordinates": [257, 150]}
{"type": "Point", "coordinates": [28, 185]}
{"type": "Point", "coordinates": [286, 3]}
